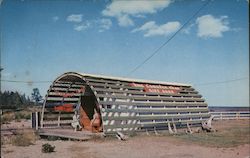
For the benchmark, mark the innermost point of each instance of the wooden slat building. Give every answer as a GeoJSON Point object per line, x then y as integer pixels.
{"type": "Point", "coordinates": [124, 104]}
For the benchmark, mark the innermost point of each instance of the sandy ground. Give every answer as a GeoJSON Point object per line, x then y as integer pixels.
{"type": "Point", "coordinates": [135, 147]}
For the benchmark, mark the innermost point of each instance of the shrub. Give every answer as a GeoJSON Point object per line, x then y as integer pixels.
{"type": "Point", "coordinates": [47, 148]}
{"type": "Point", "coordinates": [22, 115]}
{"type": "Point", "coordinates": [21, 140]}
{"type": "Point", "coordinates": [8, 117]}
{"type": "Point", "coordinates": [52, 138]}
{"type": "Point", "coordinates": [25, 138]}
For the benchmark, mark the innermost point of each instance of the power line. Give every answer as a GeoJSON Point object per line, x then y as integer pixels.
{"type": "Point", "coordinates": [165, 43]}
{"type": "Point", "coordinates": [221, 82]}
{"type": "Point", "coordinates": [28, 82]}
{"type": "Point", "coordinates": [198, 84]}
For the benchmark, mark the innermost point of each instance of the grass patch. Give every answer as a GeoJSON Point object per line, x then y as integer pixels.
{"type": "Point", "coordinates": [229, 137]}
{"type": "Point", "coordinates": [17, 116]}
{"type": "Point", "coordinates": [24, 138]}
{"type": "Point", "coordinates": [22, 115]}
{"type": "Point", "coordinates": [6, 118]}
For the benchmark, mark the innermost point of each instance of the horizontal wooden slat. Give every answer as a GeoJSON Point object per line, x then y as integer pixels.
{"type": "Point", "coordinates": [121, 85]}
{"type": "Point", "coordinates": [139, 89]}
{"type": "Point", "coordinates": [68, 82]}
{"type": "Point", "coordinates": [47, 118]}
{"type": "Point", "coordinates": [60, 99]}
{"type": "Point", "coordinates": [113, 86]}
{"type": "Point", "coordinates": [63, 93]}
{"type": "Point", "coordinates": [148, 98]}
{"type": "Point", "coordinates": [91, 80]}
{"type": "Point", "coordinates": [64, 89]}
{"type": "Point", "coordinates": [154, 117]}
{"type": "Point", "coordinates": [155, 110]}
{"type": "Point", "coordinates": [150, 124]}
{"type": "Point", "coordinates": [56, 122]}
{"type": "Point", "coordinates": [66, 85]}
{"type": "Point", "coordinates": [151, 103]}
{"type": "Point", "coordinates": [104, 90]}
{"type": "Point", "coordinates": [57, 113]}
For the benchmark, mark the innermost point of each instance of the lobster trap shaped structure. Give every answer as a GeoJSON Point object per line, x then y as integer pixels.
{"type": "Point", "coordinates": [112, 104]}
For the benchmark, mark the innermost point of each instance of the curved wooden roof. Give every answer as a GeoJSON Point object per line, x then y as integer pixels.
{"type": "Point", "coordinates": [132, 104]}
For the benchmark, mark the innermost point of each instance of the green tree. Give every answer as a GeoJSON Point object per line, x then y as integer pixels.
{"type": "Point", "coordinates": [36, 96]}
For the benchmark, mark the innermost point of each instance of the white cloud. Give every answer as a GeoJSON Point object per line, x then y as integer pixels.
{"type": "Point", "coordinates": [82, 26]}
{"type": "Point", "coordinates": [209, 26]}
{"type": "Point", "coordinates": [75, 18]}
{"type": "Point", "coordinates": [55, 18]}
{"type": "Point", "coordinates": [125, 20]}
{"type": "Point", "coordinates": [123, 10]}
{"type": "Point", "coordinates": [152, 29]}
{"type": "Point", "coordinates": [104, 24]}
{"type": "Point", "coordinates": [187, 29]}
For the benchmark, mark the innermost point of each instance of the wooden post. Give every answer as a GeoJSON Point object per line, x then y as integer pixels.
{"type": "Point", "coordinates": [237, 115]}
{"type": "Point", "coordinates": [221, 115]}
{"type": "Point", "coordinates": [169, 128]}
{"type": "Point", "coordinates": [36, 113]}
{"type": "Point", "coordinates": [59, 119]}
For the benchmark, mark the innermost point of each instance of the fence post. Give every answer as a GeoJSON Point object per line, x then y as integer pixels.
{"type": "Point", "coordinates": [221, 115]}
{"type": "Point", "coordinates": [237, 115]}
{"type": "Point", "coordinates": [59, 119]}
{"type": "Point", "coordinates": [36, 120]}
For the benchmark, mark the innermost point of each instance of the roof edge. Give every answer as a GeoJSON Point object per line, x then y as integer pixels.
{"type": "Point", "coordinates": [132, 80]}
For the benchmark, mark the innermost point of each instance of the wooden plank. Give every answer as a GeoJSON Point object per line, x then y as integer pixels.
{"type": "Point", "coordinates": [148, 98]}
{"type": "Point", "coordinates": [151, 124]}
{"type": "Point", "coordinates": [154, 117]}
{"type": "Point", "coordinates": [60, 94]}
{"type": "Point", "coordinates": [146, 104]}
{"type": "Point", "coordinates": [155, 110]}
{"type": "Point", "coordinates": [92, 80]}
{"type": "Point", "coordinates": [69, 82]}
{"type": "Point", "coordinates": [61, 98]}
{"type": "Point", "coordinates": [126, 88]}
{"type": "Point", "coordinates": [126, 83]}
{"type": "Point", "coordinates": [56, 112]}
{"type": "Point", "coordinates": [120, 85]}
{"type": "Point", "coordinates": [113, 86]}
{"type": "Point", "coordinates": [112, 80]}
{"type": "Point", "coordinates": [66, 85]}
{"type": "Point", "coordinates": [104, 90]}
{"type": "Point", "coordinates": [53, 89]}
{"type": "Point", "coordinates": [55, 122]}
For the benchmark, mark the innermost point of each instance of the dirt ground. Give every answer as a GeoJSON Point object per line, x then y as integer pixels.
{"type": "Point", "coordinates": [142, 146]}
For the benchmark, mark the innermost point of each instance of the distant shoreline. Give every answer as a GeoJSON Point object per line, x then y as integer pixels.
{"type": "Point", "coordinates": [229, 108]}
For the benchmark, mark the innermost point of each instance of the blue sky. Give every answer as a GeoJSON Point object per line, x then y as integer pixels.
{"type": "Point", "coordinates": [43, 39]}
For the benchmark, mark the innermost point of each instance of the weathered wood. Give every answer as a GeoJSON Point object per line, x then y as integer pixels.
{"type": "Point", "coordinates": [151, 124]}
{"type": "Point", "coordinates": [61, 99]}
{"type": "Point", "coordinates": [149, 98]}
{"type": "Point", "coordinates": [66, 85]}
{"type": "Point", "coordinates": [155, 110]}
{"type": "Point", "coordinates": [133, 92]}
{"type": "Point", "coordinates": [60, 94]}
{"type": "Point", "coordinates": [125, 106]}
{"type": "Point", "coordinates": [53, 89]}
{"type": "Point", "coordinates": [99, 85]}
{"type": "Point", "coordinates": [155, 117]}
{"type": "Point", "coordinates": [146, 104]}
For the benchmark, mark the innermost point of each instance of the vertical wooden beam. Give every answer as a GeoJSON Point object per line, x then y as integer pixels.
{"type": "Point", "coordinates": [59, 119]}
{"type": "Point", "coordinates": [36, 113]}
